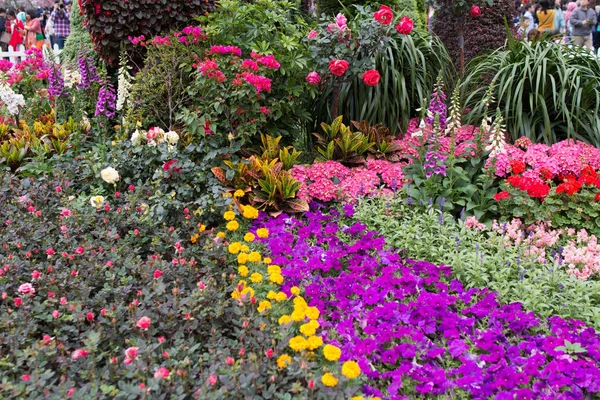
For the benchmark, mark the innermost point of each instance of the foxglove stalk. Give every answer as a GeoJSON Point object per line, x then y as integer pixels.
{"type": "Point", "coordinates": [123, 87]}
{"type": "Point", "coordinates": [106, 101]}
{"type": "Point", "coordinates": [56, 83]}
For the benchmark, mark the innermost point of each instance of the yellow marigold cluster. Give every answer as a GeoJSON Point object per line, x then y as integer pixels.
{"type": "Point", "coordinates": [249, 212]}
{"type": "Point", "coordinates": [329, 380]}
{"type": "Point", "coordinates": [284, 360]}
{"type": "Point", "coordinates": [264, 305]}
{"type": "Point", "coordinates": [309, 328]}
{"type": "Point", "coordinates": [312, 313]}
{"type": "Point", "coordinates": [246, 292]}
{"type": "Point", "coordinates": [350, 369]}
{"type": "Point", "coordinates": [201, 228]}
{"type": "Point", "coordinates": [332, 353]}
{"type": "Point", "coordinates": [298, 343]}
{"type": "Point", "coordinates": [234, 247]}
{"type": "Point", "coordinates": [254, 256]}
{"type": "Point", "coordinates": [267, 260]}
{"type": "Point", "coordinates": [249, 237]}
{"type": "Point", "coordinates": [229, 216]}
{"type": "Point", "coordinates": [314, 342]}
{"type": "Point", "coordinates": [274, 269]}
{"type": "Point", "coordinates": [284, 319]}
{"type": "Point", "coordinates": [232, 226]}
{"type": "Point", "coordinates": [262, 233]}
{"type": "Point", "coordinates": [242, 258]}
{"type": "Point", "coordinates": [276, 278]}
{"type": "Point", "coordinates": [256, 277]}
{"type": "Point", "coordinates": [295, 290]}
{"type": "Point", "coordinates": [245, 248]}
{"type": "Point", "coordinates": [281, 297]}
{"type": "Point", "coordinates": [243, 270]}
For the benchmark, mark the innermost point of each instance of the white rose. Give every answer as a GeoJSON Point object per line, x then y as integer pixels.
{"type": "Point", "coordinates": [136, 138]}
{"type": "Point", "coordinates": [97, 201]}
{"type": "Point", "coordinates": [172, 138]}
{"type": "Point", "coordinates": [109, 175]}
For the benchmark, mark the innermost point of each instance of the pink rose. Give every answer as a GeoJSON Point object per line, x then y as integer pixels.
{"type": "Point", "coordinates": [157, 274]}
{"type": "Point", "coordinates": [384, 16]}
{"type": "Point", "coordinates": [79, 250]}
{"type": "Point", "coordinates": [35, 274]}
{"type": "Point", "coordinates": [132, 352]}
{"type": "Point", "coordinates": [55, 314]}
{"type": "Point", "coordinates": [338, 67]}
{"type": "Point", "coordinates": [405, 26]}
{"type": "Point", "coordinates": [144, 323]}
{"type": "Point", "coordinates": [341, 20]}
{"type": "Point", "coordinates": [89, 316]}
{"type": "Point", "coordinates": [161, 373]}
{"type": "Point", "coordinates": [26, 288]}
{"type": "Point", "coordinates": [18, 301]}
{"type": "Point", "coordinates": [312, 34]}
{"type": "Point", "coordinates": [371, 77]}
{"type": "Point", "coordinates": [229, 361]}
{"type": "Point", "coordinates": [313, 78]}
{"type": "Point", "coordinates": [475, 11]}
{"type": "Point", "coordinates": [212, 379]}
{"type": "Point", "coordinates": [79, 353]}
{"type": "Point", "coordinates": [25, 377]}
{"type": "Point", "coordinates": [50, 251]}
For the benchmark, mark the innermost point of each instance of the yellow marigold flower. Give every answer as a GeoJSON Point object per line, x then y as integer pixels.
{"type": "Point", "coordinates": [375, 398]}
{"type": "Point", "coordinates": [276, 278]}
{"type": "Point", "coordinates": [234, 247]}
{"type": "Point", "coordinates": [284, 319]}
{"type": "Point", "coordinates": [194, 238]}
{"type": "Point", "coordinates": [350, 369]}
{"type": "Point", "coordinates": [256, 277]}
{"type": "Point", "coordinates": [274, 269]}
{"type": "Point", "coordinates": [250, 212]}
{"type": "Point", "coordinates": [239, 193]}
{"type": "Point", "coordinates": [298, 343]}
{"type": "Point", "coordinates": [329, 380]}
{"type": "Point", "coordinates": [254, 257]}
{"type": "Point", "coordinates": [357, 398]}
{"type": "Point", "coordinates": [307, 330]}
{"type": "Point", "coordinates": [284, 360]}
{"type": "Point", "coordinates": [312, 313]}
{"type": "Point", "coordinates": [281, 296]}
{"type": "Point", "coordinates": [271, 295]}
{"type": "Point", "coordinates": [235, 294]}
{"type": "Point", "coordinates": [264, 305]}
{"type": "Point", "coordinates": [242, 258]}
{"type": "Point", "coordinates": [232, 226]}
{"type": "Point", "coordinates": [313, 323]}
{"type": "Point", "coordinates": [314, 342]}
{"type": "Point", "coordinates": [201, 228]}
{"type": "Point", "coordinates": [229, 215]}
{"type": "Point", "coordinates": [300, 303]}
{"type": "Point", "coordinates": [298, 315]}
{"type": "Point", "coordinates": [262, 233]}
{"type": "Point", "coordinates": [221, 235]}
{"type": "Point", "coordinates": [295, 290]}
{"type": "Point", "coordinates": [243, 270]}
{"type": "Point", "coordinates": [332, 353]}
{"type": "Point", "coordinates": [249, 237]}
{"type": "Point", "coordinates": [267, 260]}
{"type": "Point", "coordinates": [245, 248]}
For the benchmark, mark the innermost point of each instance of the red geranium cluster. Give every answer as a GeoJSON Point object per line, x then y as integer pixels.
{"type": "Point", "coordinates": [572, 184]}
{"type": "Point", "coordinates": [534, 187]}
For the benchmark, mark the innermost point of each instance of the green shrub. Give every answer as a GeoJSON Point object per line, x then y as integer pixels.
{"type": "Point", "coordinates": [481, 259]}
{"type": "Point", "coordinates": [545, 91]}
{"type": "Point", "coordinates": [78, 41]}
{"type": "Point", "coordinates": [332, 7]}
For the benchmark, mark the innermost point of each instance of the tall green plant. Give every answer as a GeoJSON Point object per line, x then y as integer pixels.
{"type": "Point", "coordinates": [546, 91]}
{"type": "Point", "coordinates": [78, 40]}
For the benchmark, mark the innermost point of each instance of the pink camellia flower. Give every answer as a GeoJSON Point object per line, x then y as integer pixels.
{"type": "Point", "coordinates": [313, 78]}
{"type": "Point", "coordinates": [25, 377]}
{"type": "Point", "coordinates": [90, 316]}
{"type": "Point", "coordinates": [229, 361]}
{"type": "Point", "coordinates": [269, 353]}
{"type": "Point", "coordinates": [475, 11]}
{"type": "Point", "coordinates": [35, 274]}
{"type": "Point", "coordinates": [242, 352]}
{"type": "Point", "coordinates": [338, 67]}
{"type": "Point", "coordinates": [46, 339]}
{"type": "Point", "coordinates": [161, 373]}
{"type": "Point", "coordinates": [50, 251]}
{"type": "Point", "coordinates": [70, 392]}
{"type": "Point", "coordinates": [201, 285]}
{"type": "Point", "coordinates": [58, 189]}
{"type": "Point", "coordinates": [26, 288]}
{"type": "Point", "coordinates": [405, 26]}
{"type": "Point", "coordinates": [63, 301]}
{"type": "Point", "coordinates": [212, 379]}
{"type": "Point", "coordinates": [127, 361]}
{"type": "Point", "coordinates": [384, 16]}
{"type": "Point", "coordinates": [144, 323]}
{"type": "Point", "coordinates": [132, 352]}
{"type": "Point", "coordinates": [161, 339]}
{"type": "Point", "coordinates": [131, 188]}
{"type": "Point", "coordinates": [313, 34]}
{"type": "Point", "coordinates": [371, 77]}
{"type": "Point", "coordinates": [55, 314]}
{"type": "Point", "coordinates": [79, 353]}
{"type": "Point", "coordinates": [17, 301]}
{"type": "Point", "coordinates": [157, 274]}
{"type": "Point", "coordinates": [79, 250]}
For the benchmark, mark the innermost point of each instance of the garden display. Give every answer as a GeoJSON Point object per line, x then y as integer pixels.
{"type": "Point", "coordinates": [251, 201]}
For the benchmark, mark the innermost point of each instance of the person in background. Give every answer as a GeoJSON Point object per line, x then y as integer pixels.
{"type": "Point", "coordinates": [559, 18]}
{"type": "Point", "coordinates": [3, 45]}
{"type": "Point", "coordinates": [583, 20]}
{"type": "Point", "coordinates": [16, 29]}
{"type": "Point", "coordinates": [570, 8]}
{"type": "Point", "coordinates": [62, 26]}
{"type": "Point", "coordinates": [49, 30]}
{"type": "Point", "coordinates": [546, 16]}
{"type": "Point", "coordinates": [528, 18]}
{"type": "Point", "coordinates": [33, 27]}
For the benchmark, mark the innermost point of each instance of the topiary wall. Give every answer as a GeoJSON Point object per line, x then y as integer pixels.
{"type": "Point", "coordinates": [482, 34]}
{"type": "Point", "coordinates": [111, 22]}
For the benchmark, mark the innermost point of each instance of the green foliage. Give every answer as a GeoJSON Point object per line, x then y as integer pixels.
{"type": "Point", "coordinates": [339, 143]}
{"type": "Point", "coordinates": [383, 142]}
{"type": "Point", "coordinates": [481, 259]}
{"type": "Point", "coordinates": [78, 40]}
{"type": "Point", "coordinates": [544, 90]}
{"type": "Point", "coordinates": [332, 7]}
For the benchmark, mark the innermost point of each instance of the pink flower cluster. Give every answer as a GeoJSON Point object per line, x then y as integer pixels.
{"type": "Point", "coordinates": [260, 83]}
{"type": "Point", "coordinates": [210, 69]}
{"type": "Point", "coordinates": [568, 156]}
{"type": "Point", "coordinates": [220, 49]}
{"type": "Point", "coordinates": [330, 180]}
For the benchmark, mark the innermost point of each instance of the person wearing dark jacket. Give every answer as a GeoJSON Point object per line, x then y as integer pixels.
{"type": "Point", "coordinates": [3, 45]}
{"type": "Point", "coordinates": [583, 19]}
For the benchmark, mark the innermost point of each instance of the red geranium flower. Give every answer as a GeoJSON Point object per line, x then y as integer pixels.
{"type": "Point", "coordinates": [546, 173]}
{"type": "Point", "coordinates": [597, 198]}
{"type": "Point", "coordinates": [502, 195]}
{"type": "Point", "coordinates": [570, 187]}
{"type": "Point", "coordinates": [518, 167]}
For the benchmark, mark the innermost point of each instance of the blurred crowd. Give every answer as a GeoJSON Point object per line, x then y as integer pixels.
{"type": "Point", "coordinates": [35, 28]}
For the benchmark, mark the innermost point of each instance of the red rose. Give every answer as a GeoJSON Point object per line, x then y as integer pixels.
{"type": "Point", "coordinates": [502, 195]}
{"type": "Point", "coordinates": [405, 26]}
{"type": "Point", "coordinates": [475, 11]}
{"type": "Point", "coordinates": [384, 15]}
{"type": "Point", "coordinates": [518, 167]}
{"type": "Point", "coordinates": [338, 67]}
{"type": "Point", "coordinates": [371, 77]}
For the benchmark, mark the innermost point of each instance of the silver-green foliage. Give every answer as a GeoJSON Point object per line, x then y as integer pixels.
{"type": "Point", "coordinates": [480, 259]}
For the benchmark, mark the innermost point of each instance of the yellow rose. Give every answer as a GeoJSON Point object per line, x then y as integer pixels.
{"type": "Point", "coordinates": [249, 237]}
{"type": "Point", "coordinates": [350, 369]}
{"type": "Point", "coordinates": [254, 257]}
{"type": "Point", "coordinates": [314, 342]}
{"type": "Point", "coordinates": [274, 269]}
{"type": "Point", "coordinates": [298, 343]}
{"type": "Point", "coordinates": [234, 247]}
{"type": "Point", "coordinates": [262, 233]}
{"type": "Point", "coordinates": [264, 305]}
{"type": "Point", "coordinates": [283, 361]}
{"type": "Point", "coordinates": [243, 270]}
{"type": "Point", "coordinates": [312, 313]}
{"type": "Point", "coordinates": [242, 258]}
{"type": "Point", "coordinates": [232, 226]}
{"type": "Point", "coordinates": [331, 353]}
{"type": "Point", "coordinates": [229, 216]}
{"type": "Point", "coordinates": [256, 277]}
{"type": "Point", "coordinates": [284, 319]}
{"type": "Point", "coordinates": [329, 380]}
